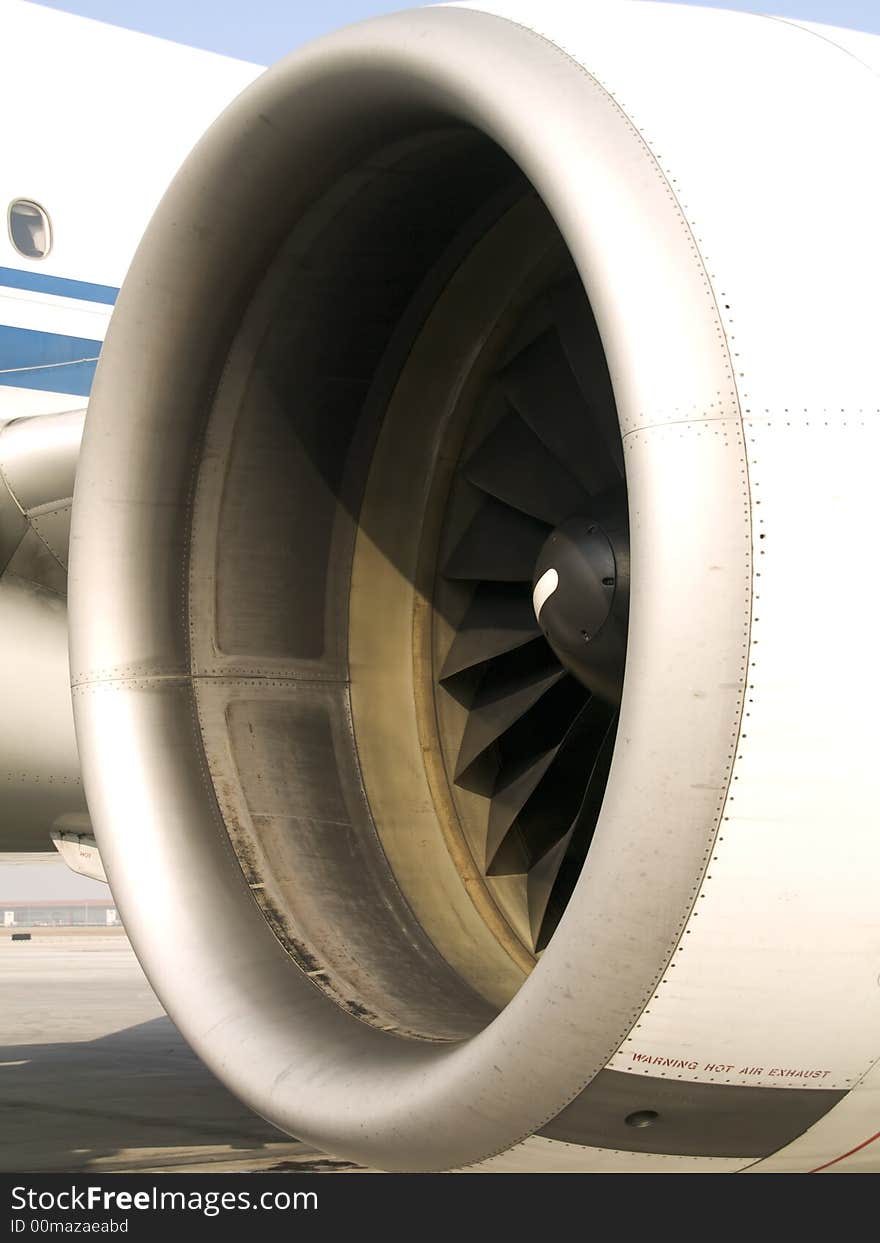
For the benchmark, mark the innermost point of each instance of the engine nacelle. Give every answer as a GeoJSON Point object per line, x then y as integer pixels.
{"type": "Point", "coordinates": [472, 621]}
{"type": "Point", "coordinates": [40, 787]}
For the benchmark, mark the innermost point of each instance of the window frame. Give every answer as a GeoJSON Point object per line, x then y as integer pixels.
{"type": "Point", "coordinates": [19, 202]}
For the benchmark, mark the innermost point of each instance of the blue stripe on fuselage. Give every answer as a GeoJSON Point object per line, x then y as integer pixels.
{"type": "Point", "coordinates": [47, 361]}
{"type": "Point", "coordinates": [62, 286]}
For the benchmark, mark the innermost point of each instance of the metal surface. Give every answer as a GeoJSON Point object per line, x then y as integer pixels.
{"type": "Point", "coordinates": [738, 370]}
{"type": "Point", "coordinates": [80, 852]}
{"type": "Point", "coordinates": [40, 785]}
{"type": "Point", "coordinates": [675, 1117]}
{"type": "Point", "coordinates": [845, 1140]}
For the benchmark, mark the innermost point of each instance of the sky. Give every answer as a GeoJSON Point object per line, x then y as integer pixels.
{"type": "Point", "coordinates": [264, 30]}
{"type": "Point", "coordinates": [30, 881]}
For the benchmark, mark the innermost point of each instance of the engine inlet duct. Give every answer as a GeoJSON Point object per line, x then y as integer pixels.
{"type": "Point", "coordinates": [443, 550]}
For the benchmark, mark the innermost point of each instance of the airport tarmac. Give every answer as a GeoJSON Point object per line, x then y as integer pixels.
{"type": "Point", "coordinates": [94, 1076]}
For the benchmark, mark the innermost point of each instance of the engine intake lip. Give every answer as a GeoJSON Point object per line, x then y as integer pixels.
{"type": "Point", "coordinates": [249, 1012]}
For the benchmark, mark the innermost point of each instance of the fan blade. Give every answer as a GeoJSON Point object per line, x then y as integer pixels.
{"type": "Point", "coordinates": [529, 749]}
{"type": "Point", "coordinates": [500, 545]}
{"type": "Point", "coordinates": [582, 346]}
{"type": "Point", "coordinates": [548, 808]}
{"type": "Point", "coordinates": [513, 465]}
{"type": "Point", "coordinates": [510, 796]}
{"type": "Point", "coordinates": [563, 871]}
{"type": "Point", "coordinates": [541, 386]}
{"type": "Point", "coordinates": [588, 812]}
{"type": "Point", "coordinates": [555, 805]}
{"type": "Point", "coordinates": [540, 882]}
{"type": "Point", "coordinates": [499, 619]}
{"type": "Point", "coordinates": [499, 703]}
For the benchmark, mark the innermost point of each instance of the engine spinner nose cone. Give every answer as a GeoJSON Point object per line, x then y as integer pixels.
{"type": "Point", "coordinates": [575, 577]}
{"type": "Point", "coordinates": [574, 588]}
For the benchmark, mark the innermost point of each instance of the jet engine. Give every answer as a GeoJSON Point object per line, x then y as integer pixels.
{"type": "Point", "coordinates": [41, 791]}
{"type": "Point", "coordinates": [481, 458]}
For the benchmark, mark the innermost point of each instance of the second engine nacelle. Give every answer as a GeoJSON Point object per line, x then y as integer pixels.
{"type": "Point", "coordinates": [40, 787]}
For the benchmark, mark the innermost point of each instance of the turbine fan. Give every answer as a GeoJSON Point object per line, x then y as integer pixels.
{"type": "Point", "coordinates": [540, 685]}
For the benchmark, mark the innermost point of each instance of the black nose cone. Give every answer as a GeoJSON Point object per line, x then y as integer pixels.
{"type": "Point", "coordinates": [581, 589]}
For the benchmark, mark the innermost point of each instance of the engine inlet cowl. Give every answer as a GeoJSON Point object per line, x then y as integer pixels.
{"type": "Point", "coordinates": [443, 542]}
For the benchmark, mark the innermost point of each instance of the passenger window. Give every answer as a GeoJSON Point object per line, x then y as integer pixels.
{"type": "Point", "coordinates": [29, 229]}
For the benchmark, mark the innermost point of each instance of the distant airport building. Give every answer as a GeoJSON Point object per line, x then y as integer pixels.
{"type": "Point", "coordinates": [60, 913]}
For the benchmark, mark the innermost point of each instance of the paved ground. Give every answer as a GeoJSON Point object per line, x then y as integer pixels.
{"type": "Point", "coordinates": [94, 1076]}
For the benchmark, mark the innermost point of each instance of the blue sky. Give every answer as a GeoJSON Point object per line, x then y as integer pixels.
{"type": "Point", "coordinates": [263, 30]}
